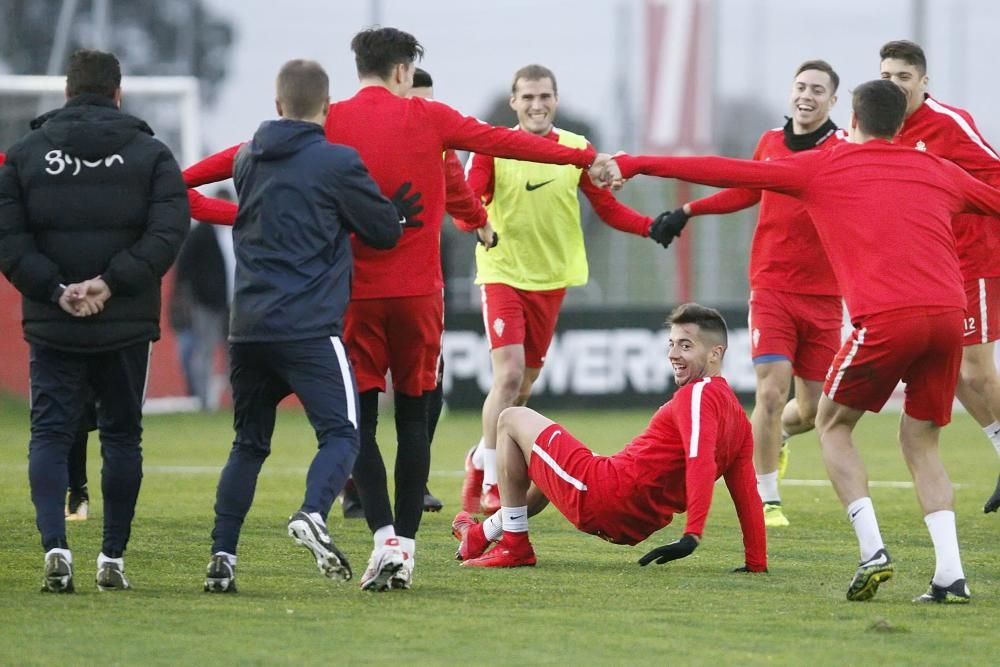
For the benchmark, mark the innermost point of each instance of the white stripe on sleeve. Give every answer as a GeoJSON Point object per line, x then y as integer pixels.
{"type": "Point", "coordinates": [963, 124]}
{"type": "Point", "coordinates": [696, 415]}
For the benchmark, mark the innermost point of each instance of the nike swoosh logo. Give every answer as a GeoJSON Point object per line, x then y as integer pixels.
{"type": "Point", "coordinates": [968, 333]}
{"type": "Point", "coordinates": [854, 514]}
{"type": "Point", "coordinates": [529, 186]}
{"type": "Point", "coordinates": [515, 518]}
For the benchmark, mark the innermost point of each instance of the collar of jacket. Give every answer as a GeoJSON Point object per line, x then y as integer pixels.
{"type": "Point", "coordinates": [803, 142]}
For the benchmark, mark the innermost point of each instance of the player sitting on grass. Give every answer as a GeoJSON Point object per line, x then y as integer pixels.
{"type": "Point", "coordinates": [701, 434]}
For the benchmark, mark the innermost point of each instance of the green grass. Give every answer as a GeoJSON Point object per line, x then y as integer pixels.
{"type": "Point", "coordinates": [587, 602]}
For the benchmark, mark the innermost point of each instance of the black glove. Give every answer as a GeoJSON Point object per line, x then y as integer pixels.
{"type": "Point", "coordinates": [667, 226]}
{"type": "Point", "coordinates": [492, 244]}
{"type": "Point", "coordinates": [668, 552]}
{"type": "Point", "coordinates": [747, 570]}
{"type": "Point", "coordinates": [407, 207]}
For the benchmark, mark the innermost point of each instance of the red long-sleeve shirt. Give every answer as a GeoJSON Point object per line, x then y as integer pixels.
{"type": "Point", "coordinates": [883, 213]}
{"type": "Point", "coordinates": [462, 204]}
{"type": "Point", "coordinates": [950, 132]}
{"type": "Point", "coordinates": [786, 253]}
{"type": "Point", "coordinates": [401, 139]}
{"type": "Point", "coordinates": [611, 211]}
{"type": "Point", "coordinates": [701, 434]}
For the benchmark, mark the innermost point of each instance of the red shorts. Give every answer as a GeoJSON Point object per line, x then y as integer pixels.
{"type": "Point", "coordinates": [982, 312]}
{"type": "Point", "coordinates": [920, 346]}
{"type": "Point", "coordinates": [401, 334]}
{"type": "Point", "coordinates": [585, 488]}
{"type": "Point", "coordinates": [514, 316]}
{"type": "Point", "coordinates": [804, 329]}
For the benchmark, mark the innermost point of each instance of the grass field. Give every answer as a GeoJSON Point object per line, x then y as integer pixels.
{"type": "Point", "coordinates": [587, 601]}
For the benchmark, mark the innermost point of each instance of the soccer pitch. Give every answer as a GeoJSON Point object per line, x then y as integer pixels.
{"type": "Point", "coordinates": [586, 602]}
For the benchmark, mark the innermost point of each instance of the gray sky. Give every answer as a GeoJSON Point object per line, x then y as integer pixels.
{"type": "Point", "coordinates": [473, 47]}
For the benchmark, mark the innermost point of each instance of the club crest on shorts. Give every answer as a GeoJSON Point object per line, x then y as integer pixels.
{"type": "Point", "coordinates": [756, 337]}
{"type": "Point", "coordinates": [498, 326]}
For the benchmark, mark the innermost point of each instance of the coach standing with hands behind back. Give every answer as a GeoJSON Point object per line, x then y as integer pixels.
{"type": "Point", "coordinates": [93, 211]}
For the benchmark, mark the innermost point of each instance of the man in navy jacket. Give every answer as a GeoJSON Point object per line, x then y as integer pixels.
{"type": "Point", "coordinates": [93, 211]}
{"type": "Point", "coordinates": [300, 200]}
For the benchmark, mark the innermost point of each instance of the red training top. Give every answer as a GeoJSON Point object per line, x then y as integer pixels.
{"type": "Point", "coordinates": [401, 139]}
{"type": "Point", "coordinates": [950, 132]}
{"type": "Point", "coordinates": [611, 211]}
{"type": "Point", "coordinates": [698, 436]}
{"type": "Point", "coordinates": [786, 253]}
{"type": "Point", "coordinates": [883, 213]}
{"type": "Point", "coordinates": [462, 204]}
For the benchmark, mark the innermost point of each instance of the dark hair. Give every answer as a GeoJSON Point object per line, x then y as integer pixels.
{"type": "Point", "coordinates": [378, 50]}
{"type": "Point", "coordinates": [879, 107]}
{"type": "Point", "coordinates": [92, 71]}
{"type": "Point", "coordinates": [302, 87]}
{"type": "Point", "coordinates": [533, 73]}
{"type": "Point", "coordinates": [708, 320]}
{"type": "Point", "coordinates": [909, 52]}
{"type": "Point", "coordinates": [422, 79]}
{"type": "Point", "coordinates": [820, 66]}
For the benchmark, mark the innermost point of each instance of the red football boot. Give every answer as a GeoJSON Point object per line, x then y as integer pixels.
{"type": "Point", "coordinates": [513, 550]}
{"type": "Point", "coordinates": [471, 536]}
{"type": "Point", "coordinates": [472, 487]}
{"type": "Point", "coordinates": [489, 502]}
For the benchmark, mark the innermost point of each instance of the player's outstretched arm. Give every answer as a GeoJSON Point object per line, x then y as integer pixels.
{"type": "Point", "coordinates": [742, 485]}
{"type": "Point", "coordinates": [787, 175]}
{"type": "Point", "coordinates": [211, 210]}
{"type": "Point", "coordinates": [216, 167]}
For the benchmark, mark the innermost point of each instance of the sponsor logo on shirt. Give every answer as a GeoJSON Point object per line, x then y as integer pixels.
{"type": "Point", "coordinates": [921, 146]}
{"type": "Point", "coordinates": [529, 186]}
{"type": "Point", "coordinates": [59, 161]}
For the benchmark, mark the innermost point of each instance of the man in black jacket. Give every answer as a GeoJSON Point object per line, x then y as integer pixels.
{"type": "Point", "coordinates": [93, 211]}
{"type": "Point", "coordinates": [300, 199]}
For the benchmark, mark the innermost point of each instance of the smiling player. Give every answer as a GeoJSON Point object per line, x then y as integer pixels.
{"type": "Point", "coordinates": [699, 435]}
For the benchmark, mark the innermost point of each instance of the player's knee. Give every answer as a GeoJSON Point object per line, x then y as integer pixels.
{"type": "Point", "coordinates": [770, 398]}
{"type": "Point", "coordinates": [252, 449]}
{"type": "Point", "coordinates": [508, 380]}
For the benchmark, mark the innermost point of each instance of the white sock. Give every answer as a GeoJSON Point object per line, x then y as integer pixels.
{"type": "Point", "coordinates": [231, 558]}
{"type": "Point", "coordinates": [384, 533]}
{"type": "Point", "coordinates": [493, 526]}
{"type": "Point", "coordinates": [477, 456]}
{"type": "Point", "coordinates": [767, 487]}
{"type": "Point", "coordinates": [948, 567]}
{"type": "Point", "coordinates": [489, 467]}
{"type": "Point", "coordinates": [993, 433]}
{"type": "Point", "coordinates": [65, 553]}
{"type": "Point", "coordinates": [862, 515]}
{"type": "Point", "coordinates": [515, 519]}
{"type": "Point", "coordinates": [318, 518]}
{"type": "Point", "coordinates": [102, 559]}
{"type": "Point", "coordinates": [408, 545]}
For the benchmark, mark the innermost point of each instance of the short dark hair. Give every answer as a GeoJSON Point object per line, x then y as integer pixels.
{"type": "Point", "coordinates": [909, 52]}
{"type": "Point", "coordinates": [378, 50]}
{"type": "Point", "coordinates": [821, 66]}
{"type": "Point", "coordinates": [302, 88]}
{"type": "Point", "coordinates": [708, 320]}
{"type": "Point", "coordinates": [422, 79]}
{"type": "Point", "coordinates": [533, 73]}
{"type": "Point", "coordinates": [92, 71]}
{"type": "Point", "coordinates": [879, 107]}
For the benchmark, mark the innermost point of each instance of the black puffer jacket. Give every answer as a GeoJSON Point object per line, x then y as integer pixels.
{"type": "Point", "coordinates": [90, 192]}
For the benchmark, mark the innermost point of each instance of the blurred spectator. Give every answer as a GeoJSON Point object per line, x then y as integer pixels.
{"type": "Point", "coordinates": [200, 310]}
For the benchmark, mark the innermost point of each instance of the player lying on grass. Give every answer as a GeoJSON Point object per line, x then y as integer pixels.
{"type": "Point", "coordinates": [699, 435]}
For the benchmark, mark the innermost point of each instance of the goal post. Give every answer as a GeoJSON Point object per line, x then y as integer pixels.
{"type": "Point", "coordinates": [183, 88]}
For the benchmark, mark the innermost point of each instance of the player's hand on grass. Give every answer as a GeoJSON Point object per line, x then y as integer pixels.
{"type": "Point", "coordinates": [408, 205]}
{"type": "Point", "coordinates": [746, 570]}
{"type": "Point", "coordinates": [667, 226]}
{"type": "Point", "coordinates": [668, 552]}
{"type": "Point", "coordinates": [486, 237]}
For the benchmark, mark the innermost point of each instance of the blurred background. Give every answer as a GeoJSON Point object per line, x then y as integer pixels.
{"type": "Point", "coordinates": [673, 76]}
